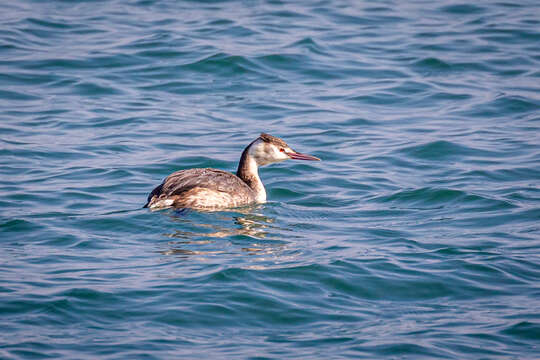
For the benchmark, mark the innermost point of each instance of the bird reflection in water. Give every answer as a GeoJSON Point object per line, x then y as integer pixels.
{"type": "Point", "coordinates": [246, 223]}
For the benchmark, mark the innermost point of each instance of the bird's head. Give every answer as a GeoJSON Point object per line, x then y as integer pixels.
{"type": "Point", "coordinates": [268, 149]}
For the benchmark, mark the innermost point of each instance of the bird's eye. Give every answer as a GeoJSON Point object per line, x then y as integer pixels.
{"type": "Point", "coordinates": [282, 150]}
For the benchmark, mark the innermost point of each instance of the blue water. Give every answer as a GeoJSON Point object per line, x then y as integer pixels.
{"type": "Point", "coordinates": [416, 237]}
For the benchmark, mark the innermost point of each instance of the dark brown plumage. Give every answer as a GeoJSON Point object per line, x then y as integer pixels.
{"type": "Point", "coordinates": [273, 140]}
{"type": "Point", "coordinates": [186, 189]}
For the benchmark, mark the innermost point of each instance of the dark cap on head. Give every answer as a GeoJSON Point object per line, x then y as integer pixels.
{"type": "Point", "coordinates": [273, 140]}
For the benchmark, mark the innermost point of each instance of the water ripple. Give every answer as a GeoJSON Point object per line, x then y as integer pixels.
{"type": "Point", "coordinates": [416, 236]}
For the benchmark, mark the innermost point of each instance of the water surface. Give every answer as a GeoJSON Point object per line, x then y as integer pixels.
{"type": "Point", "coordinates": [416, 237]}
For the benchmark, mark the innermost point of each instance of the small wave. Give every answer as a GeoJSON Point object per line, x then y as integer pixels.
{"type": "Point", "coordinates": [19, 225]}
{"type": "Point", "coordinates": [224, 64]}
{"type": "Point", "coordinates": [432, 64]}
{"type": "Point", "coordinates": [441, 149]}
{"type": "Point", "coordinates": [424, 195]}
{"type": "Point", "coordinates": [302, 65]}
{"type": "Point", "coordinates": [506, 175]}
{"type": "Point", "coordinates": [310, 44]}
{"type": "Point", "coordinates": [92, 88]}
{"type": "Point", "coordinates": [380, 98]}
{"type": "Point", "coordinates": [20, 78]}
{"type": "Point", "coordinates": [61, 25]}
{"type": "Point", "coordinates": [434, 196]}
{"type": "Point", "coordinates": [278, 193]}
{"type": "Point", "coordinates": [435, 66]}
{"type": "Point", "coordinates": [523, 329]}
{"type": "Point", "coordinates": [504, 106]}
{"type": "Point", "coordinates": [462, 9]}
{"type": "Point", "coordinates": [73, 64]}
{"type": "Point", "coordinates": [17, 96]}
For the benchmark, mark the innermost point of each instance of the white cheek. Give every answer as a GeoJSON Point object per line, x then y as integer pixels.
{"type": "Point", "coordinates": [276, 155]}
{"type": "Point", "coordinates": [258, 153]}
{"type": "Point", "coordinates": [264, 156]}
{"type": "Point", "coordinates": [256, 149]}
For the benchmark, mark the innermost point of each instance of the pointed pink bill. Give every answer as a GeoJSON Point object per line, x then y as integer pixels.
{"type": "Point", "coordinates": [298, 156]}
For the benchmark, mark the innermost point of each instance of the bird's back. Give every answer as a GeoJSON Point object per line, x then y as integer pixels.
{"type": "Point", "coordinates": [201, 188]}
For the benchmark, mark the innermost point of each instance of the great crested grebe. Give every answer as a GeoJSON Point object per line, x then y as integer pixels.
{"type": "Point", "coordinates": [215, 189]}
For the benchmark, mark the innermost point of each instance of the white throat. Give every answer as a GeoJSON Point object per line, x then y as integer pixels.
{"type": "Point", "coordinates": [252, 170]}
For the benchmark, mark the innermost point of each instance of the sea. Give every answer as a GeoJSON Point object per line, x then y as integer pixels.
{"type": "Point", "coordinates": [416, 237]}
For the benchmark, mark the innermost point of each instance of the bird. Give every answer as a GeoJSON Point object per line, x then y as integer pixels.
{"type": "Point", "coordinates": [213, 189]}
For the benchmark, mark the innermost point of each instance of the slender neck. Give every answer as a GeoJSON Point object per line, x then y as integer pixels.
{"type": "Point", "coordinates": [248, 172]}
